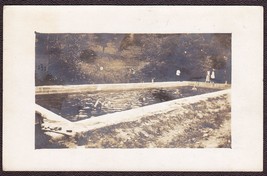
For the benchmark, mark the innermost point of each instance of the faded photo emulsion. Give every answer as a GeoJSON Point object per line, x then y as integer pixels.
{"type": "Point", "coordinates": [132, 90]}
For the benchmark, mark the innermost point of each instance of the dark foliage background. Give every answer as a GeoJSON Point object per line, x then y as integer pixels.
{"type": "Point", "coordinates": [123, 58]}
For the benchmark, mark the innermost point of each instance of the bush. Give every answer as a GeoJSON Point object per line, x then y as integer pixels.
{"type": "Point", "coordinates": [88, 56]}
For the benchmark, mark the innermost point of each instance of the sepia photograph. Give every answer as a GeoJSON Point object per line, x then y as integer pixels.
{"type": "Point", "coordinates": [132, 88]}
{"type": "Point", "coordinates": [107, 90]}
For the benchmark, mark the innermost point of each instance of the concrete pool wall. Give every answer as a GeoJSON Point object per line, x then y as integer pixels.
{"type": "Point", "coordinates": [129, 115]}
{"type": "Point", "coordinates": [57, 89]}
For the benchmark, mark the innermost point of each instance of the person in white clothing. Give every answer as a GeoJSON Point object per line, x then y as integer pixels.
{"type": "Point", "coordinates": [212, 75]}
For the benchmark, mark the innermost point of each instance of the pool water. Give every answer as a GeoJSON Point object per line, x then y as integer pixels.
{"type": "Point", "coordinates": [80, 106]}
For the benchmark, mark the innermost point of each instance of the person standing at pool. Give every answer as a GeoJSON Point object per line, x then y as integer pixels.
{"type": "Point", "coordinates": [178, 73]}
{"type": "Point", "coordinates": [208, 77]}
{"type": "Point", "coordinates": [212, 75]}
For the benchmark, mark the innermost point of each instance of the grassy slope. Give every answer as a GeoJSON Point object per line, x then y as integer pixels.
{"type": "Point", "coordinates": [201, 124]}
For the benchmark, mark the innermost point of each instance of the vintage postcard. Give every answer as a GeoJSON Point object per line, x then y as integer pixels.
{"type": "Point", "coordinates": [153, 90]}
{"type": "Point", "coordinates": [131, 88]}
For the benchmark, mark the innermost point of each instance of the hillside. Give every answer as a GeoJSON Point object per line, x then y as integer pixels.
{"type": "Point", "coordinates": [121, 58]}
